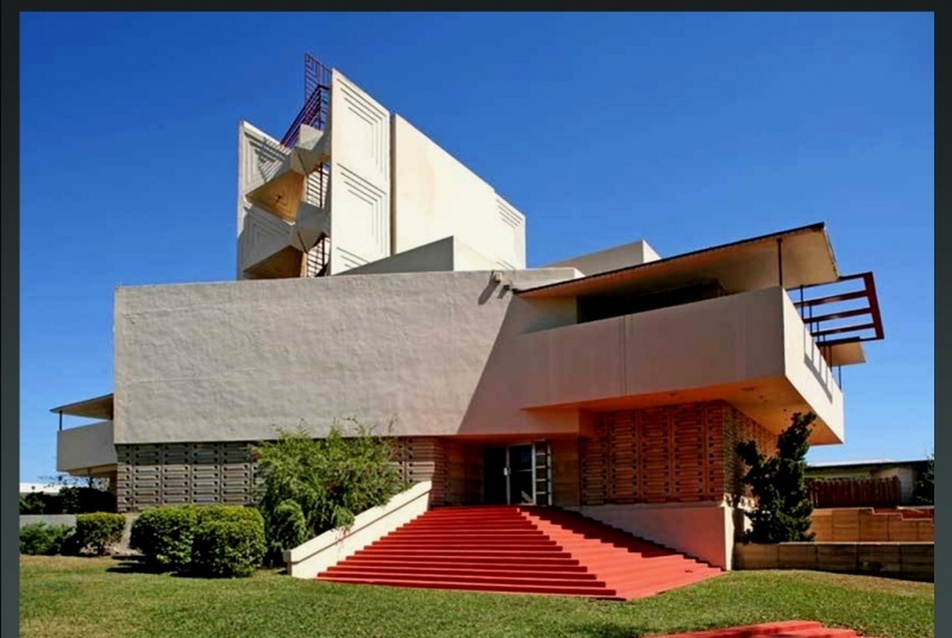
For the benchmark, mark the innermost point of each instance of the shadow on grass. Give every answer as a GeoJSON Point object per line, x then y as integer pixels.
{"type": "Point", "coordinates": [137, 565]}
{"type": "Point", "coordinates": [133, 565]}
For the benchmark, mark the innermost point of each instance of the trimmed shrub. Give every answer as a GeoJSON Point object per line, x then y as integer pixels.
{"type": "Point", "coordinates": [164, 535]}
{"type": "Point", "coordinates": [227, 513]}
{"type": "Point", "coordinates": [44, 540]}
{"type": "Point", "coordinates": [168, 537]}
{"type": "Point", "coordinates": [98, 532]}
{"type": "Point", "coordinates": [228, 546]}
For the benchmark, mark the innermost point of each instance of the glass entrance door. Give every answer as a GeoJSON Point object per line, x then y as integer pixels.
{"type": "Point", "coordinates": [521, 475]}
{"type": "Point", "coordinates": [517, 474]}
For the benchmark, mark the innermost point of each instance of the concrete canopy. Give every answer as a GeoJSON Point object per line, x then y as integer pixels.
{"type": "Point", "coordinates": [95, 408]}
{"type": "Point", "coordinates": [748, 264]}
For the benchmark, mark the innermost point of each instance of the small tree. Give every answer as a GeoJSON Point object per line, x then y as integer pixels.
{"type": "Point", "coordinates": [923, 493]}
{"type": "Point", "coordinates": [313, 485]}
{"type": "Point", "coordinates": [779, 485]}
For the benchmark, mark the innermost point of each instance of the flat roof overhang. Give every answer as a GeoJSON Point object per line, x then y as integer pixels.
{"type": "Point", "coordinates": [795, 258]}
{"type": "Point", "coordinates": [801, 256]}
{"type": "Point", "coordinates": [96, 408]}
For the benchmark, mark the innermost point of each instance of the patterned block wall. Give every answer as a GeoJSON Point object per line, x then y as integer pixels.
{"type": "Point", "coordinates": [167, 474]}
{"type": "Point", "coordinates": [679, 453]}
{"type": "Point", "coordinates": [204, 473]}
{"type": "Point", "coordinates": [740, 427]}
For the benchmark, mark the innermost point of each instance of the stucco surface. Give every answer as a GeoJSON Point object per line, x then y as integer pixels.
{"type": "Point", "coordinates": [601, 261]}
{"type": "Point", "coordinates": [442, 255]}
{"type": "Point", "coordinates": [810, 375]}
{"type": "Point", "coordinates": [85, 447]}
{"type": "Point", "coordinates": [436, 196]}
{"type": "Point", "coordinates": [703, 530]}
{"type": "Point", "coordinates": [747, 349]}
{"type": "Point", "coordinates": [709, 343]}
{"type": "Point", "coordinates": [233, 361]}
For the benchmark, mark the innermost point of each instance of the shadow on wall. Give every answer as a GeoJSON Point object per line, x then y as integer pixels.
{"type": "Point", "coordinates": [487, 292]}
{"type": "Point", "coordinates": [498, 392]}
{"type": "Point", "coordinates": [815, 363]}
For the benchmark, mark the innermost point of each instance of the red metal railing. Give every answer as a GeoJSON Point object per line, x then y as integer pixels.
{"type": "Point", "coordinates": [826, 329]}
{"type": "Point", "coordinates": [317, 100]}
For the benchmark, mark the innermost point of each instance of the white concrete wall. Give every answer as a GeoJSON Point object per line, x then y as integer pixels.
{"type": "Point", "coordinates": [85, 447]}
{"type": "Point", "coordinates": [233, 361]}
{"type": "Point", "coordinates": [442, 255]}
{"type": "Point", "coordinates": [437, 256]}
{"type": "Point", "coordinates": [360, 177]}
{"type": "Point", "coordinates": [632, 254]}
{"type": "Point", "coordinates": [258, 152]}
{"type": "Point", "coordinates": [808, 372]}
{"type": "Point", "coordinates": [443, 353]}
{"type": "Point", "coordinates": [705, 350]}
{"type": "Point", "coordinates": [700, 530]}
{"type": "Point", "coordinates": [436, 196]}
{"type": "Point", "coordinates": [708, 343]}
{"type": "Point", "coordinates": [262, 235]}
{"type": "Point", "coordinates": [316, 555]}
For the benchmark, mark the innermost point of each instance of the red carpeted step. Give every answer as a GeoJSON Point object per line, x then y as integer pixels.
{"type": "Point", "coordinates": [480, 571]}
{"type": "Point", "coordinates": [436, 560]}
{"type": "Point", "coordinates": [499, 577]}
{"type": "Point", "coordinates": [543, 551]}
{"type": "Point", "coordinates": [570, 590]}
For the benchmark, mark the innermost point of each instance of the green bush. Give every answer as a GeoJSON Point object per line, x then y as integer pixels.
{"type": "Point", "coordinates": [923, 492]}
{"type": "Point", "coordinates": [227, 513]}
{"type": "Point", "coordinates": [330, 479]}
{"type": "Point", "coordinates": [164, 535]}
{"type": "Point", "coordinates": [288, 529]}
{"type": "Point", "coordinates": [168, 536]}
{"type": "Point", "coordinates": [45, 540]}
{"type": "Point", "coordinates": [228, 546]}
{"type": "Point", "coordinates": [99, 531]}
{"type": "Point", "coordinates": [33, 503]}
{"type": "Point", "coordinates": [779, 484]}
{"type": "Point", "coordinates": [69, 500]}
{"type": "Point", "coordinates": [86, 500]}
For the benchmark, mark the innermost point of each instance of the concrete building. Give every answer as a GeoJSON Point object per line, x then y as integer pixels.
{"type": "Point", "coordinates": [379, 278]}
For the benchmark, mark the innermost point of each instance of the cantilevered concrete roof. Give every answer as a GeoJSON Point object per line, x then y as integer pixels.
{"type": "Point", "coordinates": [97, 408]}
{"type": "Point", "coordinates": [804, 255]}
{"type": "Point", "coordinates": [748, 264]}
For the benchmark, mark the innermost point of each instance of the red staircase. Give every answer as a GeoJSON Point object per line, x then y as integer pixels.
{"type": "Point", "coordinates": [785, 629]}
{"type": "Point", "coordinates": [518, 550]}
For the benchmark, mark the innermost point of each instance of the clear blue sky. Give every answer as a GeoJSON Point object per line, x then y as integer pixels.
{"type": "Point", "coordinates": [686, 130]}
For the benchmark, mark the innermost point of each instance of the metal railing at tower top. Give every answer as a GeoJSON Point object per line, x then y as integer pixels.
{"type": "Point", "coordinates": [317, 100]}
{"type": "Point", "coordinates": [824, 315]}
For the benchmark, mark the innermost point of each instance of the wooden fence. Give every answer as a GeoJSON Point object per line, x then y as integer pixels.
{"type": "Point", "coordinates": [854, 492]}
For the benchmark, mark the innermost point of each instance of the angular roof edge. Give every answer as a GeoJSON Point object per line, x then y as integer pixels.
{"type": "Point", "coordinates": [819, 227]}
{"type": "Point", "coordinates": [96, 408]}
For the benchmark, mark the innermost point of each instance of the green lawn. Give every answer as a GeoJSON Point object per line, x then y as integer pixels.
{"type": "Point", "coordinates": [79, 597]}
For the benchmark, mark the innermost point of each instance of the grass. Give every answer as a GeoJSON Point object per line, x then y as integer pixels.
{"type": "Point", "coordinates": [78, 597]}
